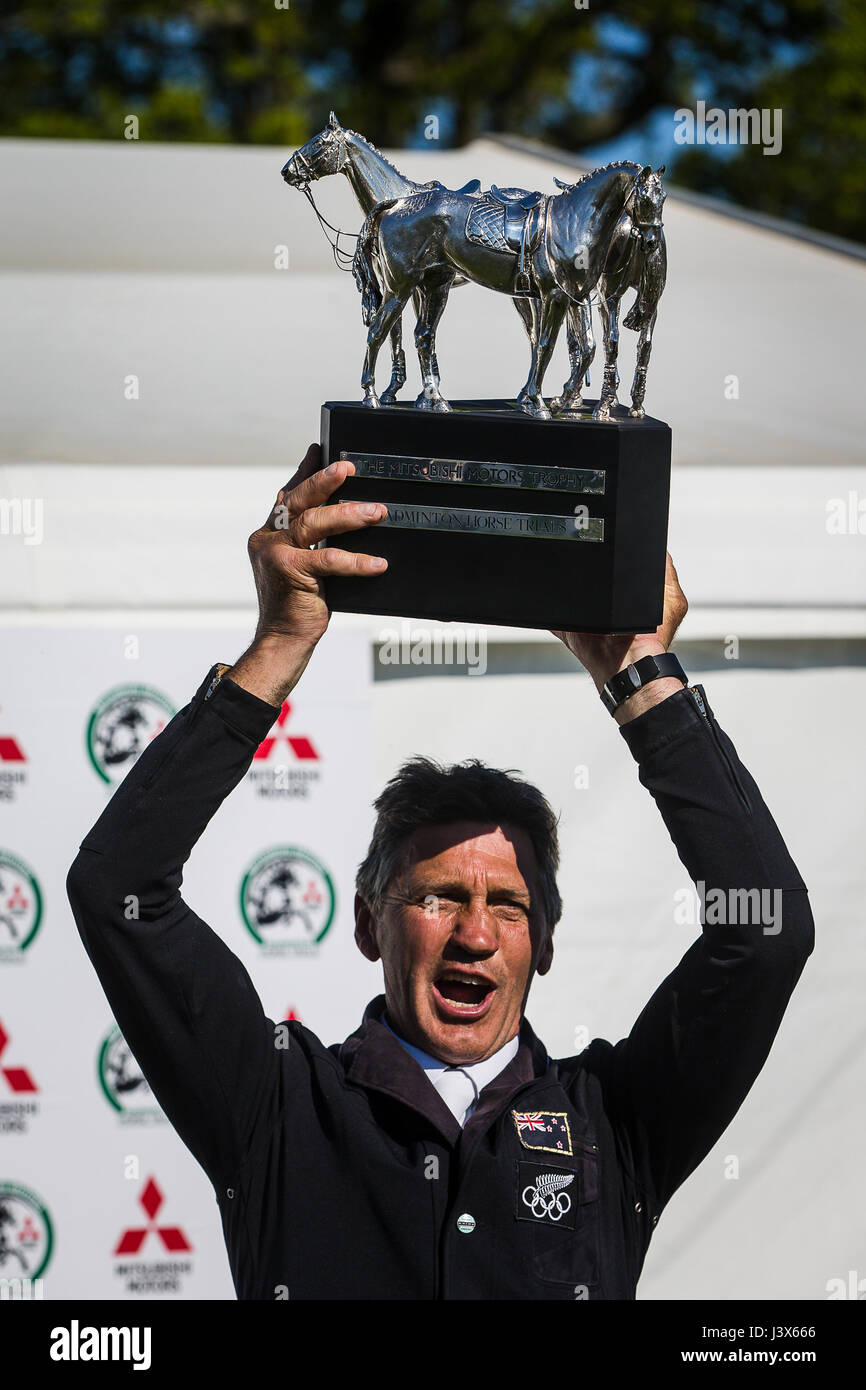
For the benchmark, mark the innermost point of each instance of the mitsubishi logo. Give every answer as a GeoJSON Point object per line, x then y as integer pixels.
{"type": "Point", "coordinates": [172, 1237]}
{"type": "Point", "coordinates": [301, 746]}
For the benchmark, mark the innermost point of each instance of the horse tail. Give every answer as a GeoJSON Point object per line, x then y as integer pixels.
{"type": "Point", "coordinates": [363, 263]}
{"type": "Point", "coordinates": [651, 282]}
{"type": "Point", "coordinates": [636, 316]}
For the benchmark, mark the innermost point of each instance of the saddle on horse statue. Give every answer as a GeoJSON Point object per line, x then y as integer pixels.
{"type": "Point", "coordinates": [507, 220]}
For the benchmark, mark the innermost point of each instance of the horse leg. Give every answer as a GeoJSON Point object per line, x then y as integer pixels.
{"type": "Point", "coordinates": [398, 358]}
{"type": "Point", "coordinates": [552, 313]}
{"type": "Point", "coordinates": [526, 308]}
{"type": "Point", "coordinates": [638, 386]}
{"type": "Point", "coordinates": [608, 307]}
{"type": "Point", "coordinates": [581, 351]}
{"type": "Point", "coordinates": [434, 299]}
{"type": "Point", "coordinates": [390, 309]}
{"type": "Point", "coordinates": [398, 366]}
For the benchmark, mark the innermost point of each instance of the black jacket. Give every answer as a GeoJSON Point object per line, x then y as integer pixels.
{"type": "Point", "coordinates": [338, 1171]}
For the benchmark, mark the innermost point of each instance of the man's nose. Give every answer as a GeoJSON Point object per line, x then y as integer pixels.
{"type": "Point", "coordinates": [476, 929]}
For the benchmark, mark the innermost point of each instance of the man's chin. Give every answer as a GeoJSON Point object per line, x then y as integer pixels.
{"type": "Point", "coordinates": [461, 1041]}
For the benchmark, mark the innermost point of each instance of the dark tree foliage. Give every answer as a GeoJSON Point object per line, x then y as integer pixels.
{"type": "Point", "coordinates": [267, 71]}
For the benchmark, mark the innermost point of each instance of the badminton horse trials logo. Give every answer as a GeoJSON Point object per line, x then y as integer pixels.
{"type": "Point", "coordinates": [20, 906]}
{"type": "Point", "coordinates": [123, 1082]}
{"type": "Point", "coordinates": [26, 1234]}
{"type": "Point", "coordinates": [121, 726]}
{"type": "Point", "coordinates": [287, 899]}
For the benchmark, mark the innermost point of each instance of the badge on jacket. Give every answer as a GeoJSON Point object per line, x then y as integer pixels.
{"type": "Point", "coordinates": [544, 1129]}
{"type": "Point", "coordinates": [547, 1194]}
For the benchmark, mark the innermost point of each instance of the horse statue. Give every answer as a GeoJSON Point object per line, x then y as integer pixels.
{"type": "Point", "coordinates": [505, 221]}
{"type": "Point", "coordinates": [425, 240]}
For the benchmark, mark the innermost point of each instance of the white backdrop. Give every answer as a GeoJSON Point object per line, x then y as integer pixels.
{"type": "Point", "coordinates": [85, 1163]}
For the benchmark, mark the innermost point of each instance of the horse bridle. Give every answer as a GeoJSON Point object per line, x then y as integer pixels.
{"type": "Point", "coordinates": [342, 259]}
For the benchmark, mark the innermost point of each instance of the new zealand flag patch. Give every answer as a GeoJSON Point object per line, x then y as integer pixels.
{"type": "Point", "coordinates": [543, 1129]}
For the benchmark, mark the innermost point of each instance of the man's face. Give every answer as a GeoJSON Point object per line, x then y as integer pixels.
{"type": "Point", "coordinates": [460, 935]}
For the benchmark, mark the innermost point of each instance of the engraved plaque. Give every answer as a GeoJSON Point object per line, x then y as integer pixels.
{"type": "Point", "coordinates": [474, 473]}
{"type": "Point", "coordinates": [538, 526]}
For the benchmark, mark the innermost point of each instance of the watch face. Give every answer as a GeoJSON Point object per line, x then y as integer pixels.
{"type": "Point", "coordinates": [633, 675]}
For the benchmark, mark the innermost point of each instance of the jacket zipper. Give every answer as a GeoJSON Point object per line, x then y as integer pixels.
{"type": "Point", "coordinates": [699, 701]}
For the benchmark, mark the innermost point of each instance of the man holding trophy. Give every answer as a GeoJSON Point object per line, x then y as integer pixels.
{"type": "Point", "coordinates": [439, 1152]}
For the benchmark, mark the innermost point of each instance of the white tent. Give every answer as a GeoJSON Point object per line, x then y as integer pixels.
{"type": "Point", "coordinates": [159, 263]}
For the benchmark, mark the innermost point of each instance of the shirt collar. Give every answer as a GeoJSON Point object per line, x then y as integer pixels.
{"type": "Point", "coordinates": [481, 1072]}
{"type": "Point", "coordinates": [374, 1058]}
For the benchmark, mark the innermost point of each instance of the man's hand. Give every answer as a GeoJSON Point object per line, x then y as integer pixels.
{"type": "Point", "coordinates": [604, 656]}
{"type": "Point", "coordinates": [289, 574]}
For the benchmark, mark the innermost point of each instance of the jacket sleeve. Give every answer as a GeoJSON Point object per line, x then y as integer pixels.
{"type": "Point", "coordinates": [183, 1001]}
{"type": "Point", "coordinates": [673, 1086]}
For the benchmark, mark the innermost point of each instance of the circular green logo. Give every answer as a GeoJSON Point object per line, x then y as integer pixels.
{"type": "Point", "coordinates": [122, 725]}
{"type": "Point", "coordinates": [287, 899]}
{"type": "Point", "coordinates": [123, 1083]}
{"type": "Point", "coordinates": [20, 905]}
{"type": "Point", "coordinates": [26, 1233]}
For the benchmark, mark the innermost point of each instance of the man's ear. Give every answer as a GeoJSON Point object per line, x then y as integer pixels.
{"type": "Point", "coordinates": [545, 959]}
{"type": "Point", "coordinates": [365, 930]}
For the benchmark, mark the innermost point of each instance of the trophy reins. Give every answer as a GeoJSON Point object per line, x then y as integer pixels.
{"type": "Point", "coordinates": [342, 259]}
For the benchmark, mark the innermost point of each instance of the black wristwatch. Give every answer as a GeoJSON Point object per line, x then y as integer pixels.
{"type": "Point", "coordinates": [626, 683]}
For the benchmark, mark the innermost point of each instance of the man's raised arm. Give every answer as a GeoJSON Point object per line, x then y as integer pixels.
{"type": "Point", "coordinates": [673, 1086]}
{"type": "Point", "coordinates": [182, 999]}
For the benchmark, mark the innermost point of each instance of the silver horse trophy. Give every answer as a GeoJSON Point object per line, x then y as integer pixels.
{"type": "Point", "coordinates": [551, 515]}
{"type": "Point", "coordinates": [601, 234]}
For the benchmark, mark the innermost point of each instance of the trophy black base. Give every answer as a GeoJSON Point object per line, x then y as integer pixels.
{"type": "Point", "coordinates": [495, 517]}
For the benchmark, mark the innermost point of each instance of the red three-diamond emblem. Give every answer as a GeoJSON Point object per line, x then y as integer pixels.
{"type": "Point", "coordinates": [300, 746]}
{"type": "Point", "coordinates": [18, 1078]}
{"type": "Point", "coordinates": [11, 750]}
{"type": "Point", "coordinates": [172, 1237]}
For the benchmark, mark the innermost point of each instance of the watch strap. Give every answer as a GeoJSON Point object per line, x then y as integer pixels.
{"type": "Point", "coordinates": [638, 674]}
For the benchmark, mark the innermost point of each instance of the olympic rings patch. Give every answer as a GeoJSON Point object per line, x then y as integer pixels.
{"type": "Point", "coordinates": [547, 1194]}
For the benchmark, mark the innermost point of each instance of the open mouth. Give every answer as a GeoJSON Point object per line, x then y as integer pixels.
{"type": "Point", "coordinates": [461, 995]}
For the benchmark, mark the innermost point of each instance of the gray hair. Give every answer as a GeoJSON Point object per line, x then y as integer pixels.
{"type": "Point", "coordinates": [423, 792]}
